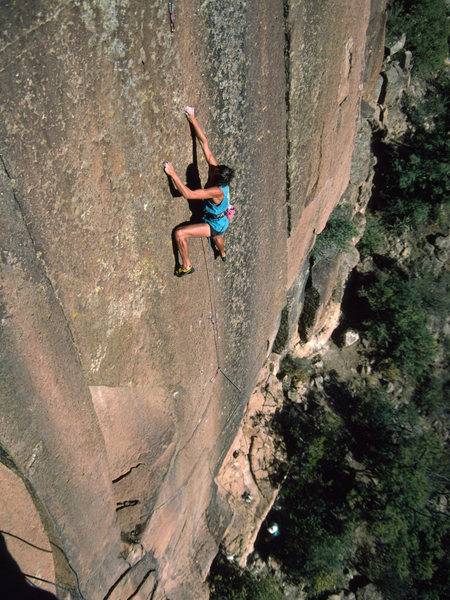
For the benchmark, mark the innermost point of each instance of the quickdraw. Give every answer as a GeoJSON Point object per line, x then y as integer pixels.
{"type": "Point", "coordinates": [171, 17]}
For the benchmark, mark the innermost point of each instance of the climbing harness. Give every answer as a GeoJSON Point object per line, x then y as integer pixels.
{"type": "Point", "coordinates": [211, 215]}
{"type": "Point", "coordinates": [229, 213]}
{"type": "Point", "coordinates": [171, 17]}
{"type": "Point", "coordinates": [216, 326]}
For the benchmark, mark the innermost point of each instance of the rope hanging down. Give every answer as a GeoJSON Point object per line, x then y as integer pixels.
{"type": "Point", "coordinates": [216, 325]}
{"type": "Point", "coordinates": [60, 587]}
{"type": "Point", "coordinates": [28, 576]}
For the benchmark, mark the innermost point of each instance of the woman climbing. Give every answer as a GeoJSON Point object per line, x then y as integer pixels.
{"type": "Point", "coordinates": [215, 196]}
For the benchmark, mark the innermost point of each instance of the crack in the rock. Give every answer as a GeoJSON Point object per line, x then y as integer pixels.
{"type": "Point", "coordinates": [126, 473]}
{"type": "Point", "coordinates": [124, 574]}
{"type": "Point", "coordinates": [252, 472]}
{"type": "Point", "coordinates": [154, 590]}
{"type": "Point", "coordinates": [144, 579]}
{"type": "Point", "coordinates": [116, 583]}
{"type": "Point", "coordinates": [287, 67]}
{"type": "Point", "coordinates": [126, 504]}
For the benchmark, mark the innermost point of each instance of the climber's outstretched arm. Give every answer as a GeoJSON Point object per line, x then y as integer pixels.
{"type": "Point", "coordinates": [214, 193]}
{"type": "Point", "coordinates": [190, 114]}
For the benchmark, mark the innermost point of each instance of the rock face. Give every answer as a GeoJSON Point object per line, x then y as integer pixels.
{"type": "Point", "coordinates": [108, 413]}
{"type": "Point", "coordinates": [15, 502]}
{"type": "Point", "coordinates": [323, 103]}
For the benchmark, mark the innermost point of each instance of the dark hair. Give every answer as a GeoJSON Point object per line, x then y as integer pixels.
{"type": "Point", "coordinates": [223, 175]}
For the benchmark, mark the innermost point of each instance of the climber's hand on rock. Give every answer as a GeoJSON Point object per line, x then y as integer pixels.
{"type": "Point", "coordinates": [168, 168]}
{"type": "Point", "coordinates": [189, 112]}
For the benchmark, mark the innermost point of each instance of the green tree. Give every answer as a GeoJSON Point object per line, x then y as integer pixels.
{"type": "Point", "coordinates": [373, 238]}
{"type": "Point", "coordinates": [336, 235]}
{"type": "Point", "coordinates": [409, 532]}
{"type": "Point", "coordinates": [414, 177]}
{"type": "Point", "coordinates": [316, 538]}
{"type": "Point", "coordinates": [398, 322]}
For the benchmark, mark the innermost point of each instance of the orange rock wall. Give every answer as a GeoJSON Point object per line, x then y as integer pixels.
{"type": "Point", "coordinates": [327, 58]}
{"type": "Point", "coordinates": [108, 411]}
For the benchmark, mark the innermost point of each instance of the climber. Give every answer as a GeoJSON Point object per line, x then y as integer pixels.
{"type": "Point", "coordinates": [215, 196]}
{"type": "Point", "coordinates": [272, 531]}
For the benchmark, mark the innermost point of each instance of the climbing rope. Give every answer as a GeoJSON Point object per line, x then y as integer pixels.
{"type": "Point", "coordinates": [16, 537]}
{"type": "Point", "coordinates": [28, 576]}
{"type": "Point", "coordinates": [214, 319]}
{"type": "Point", "coordinates": [216, 325]}
{"type": "Point", "coordinates": [60, 587]}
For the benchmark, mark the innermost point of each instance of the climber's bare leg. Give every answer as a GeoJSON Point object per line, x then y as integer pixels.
{"type": "Point", "coordinates": [218, 240]}
{"type": "Point", "coordinates": [189, 231]}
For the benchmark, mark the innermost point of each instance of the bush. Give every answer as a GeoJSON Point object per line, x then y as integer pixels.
{"type": "Point", "coordinates": [373, 239]}
{"type": "Point", "coordinates": [398, 323]}
{"type": "Point", "coordinates": [296, 369]}
{"type": "Point", "coordinates": [227, 581]}
{"type": "Point", "coordinates": [431, 393]}
{"type": "Point", "coordinates": [337, 235]}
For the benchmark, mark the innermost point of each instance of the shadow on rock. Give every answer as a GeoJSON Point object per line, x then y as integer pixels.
{"type": "Point", "coordinates": [193, 182]}
{"type": "Point", "coordinates": [13, 582]}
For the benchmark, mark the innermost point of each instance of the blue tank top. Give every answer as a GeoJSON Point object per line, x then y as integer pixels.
{"type": "Point", "coordinates": [221, 223]}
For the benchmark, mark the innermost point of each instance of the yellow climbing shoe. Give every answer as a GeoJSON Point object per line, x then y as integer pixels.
{"type": "Point", "coordinates": [180, 272]}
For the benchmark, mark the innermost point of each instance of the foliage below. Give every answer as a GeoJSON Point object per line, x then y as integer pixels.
{"type": "Point", "coordinates": [374, 236]}
{"type": "Point", "coordinates": [361, 461]}
{"type": "Point", "coordinates": [425, 24]}
{"type": "Point", "coordinates": [414, 177]}
{"type": "Point", "coordinates": [229, 582]}
{"type": "Point", "coordinates": [398, 322]}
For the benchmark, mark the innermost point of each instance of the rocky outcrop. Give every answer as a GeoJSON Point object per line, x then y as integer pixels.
{"type": "Point", "coordinates": [334, 164]}
{"type": "Point", "coordinates": [248, 475]}
{"type": "Point", "coordinates": [327, 275]}
{"type": "Point", "coordinates": [108, 412]}
{"type": "Point", "coordinates": [323, 104]}
{"type": "Point", "coordinates": [314, 309]}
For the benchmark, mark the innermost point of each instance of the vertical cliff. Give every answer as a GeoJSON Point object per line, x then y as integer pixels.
{"type": "Point", "coordinates": [108, 413]}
